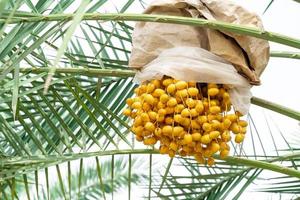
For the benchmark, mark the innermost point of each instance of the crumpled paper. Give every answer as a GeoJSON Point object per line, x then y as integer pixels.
{"type": "Point", "coordinates": [247, 54]}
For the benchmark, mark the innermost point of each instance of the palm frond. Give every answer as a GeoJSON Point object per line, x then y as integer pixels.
{"type": "Point", "coordinates": [83, 181]}
{"type": "Point", "coordinates": [244, 30]}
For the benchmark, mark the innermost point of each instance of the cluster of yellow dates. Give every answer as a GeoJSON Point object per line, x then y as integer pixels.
{"type": "Point", "coordinates": [187, 118]}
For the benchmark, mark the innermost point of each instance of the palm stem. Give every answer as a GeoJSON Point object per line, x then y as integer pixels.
{"type": "Point", "coordinates": [81, 71]}
{"type": "Point", "coordinates": [36, 161]}
{"type": "Point", "coordinates": [276, 108]}
{"type": "Point", "coordinates": [285, 54]}
{"type": "Point", "coordinates": [239, 29]}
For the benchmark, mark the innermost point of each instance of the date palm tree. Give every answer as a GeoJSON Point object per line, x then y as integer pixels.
{"type": "Point", "coordinates": [64, 79]}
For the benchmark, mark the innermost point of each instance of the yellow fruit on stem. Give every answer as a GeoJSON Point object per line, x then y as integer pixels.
{"type": "Point", "coordinates": [216, 125]}
{"type": "Point", "coordinates": [188, 139]}
{"type": "Point", "coordinates": [139, 138]}
{"type": "Point", "coordinates": [224, 154]}
{"type": "Point", "coordinates": [193, 91]}
{"type": "Point", "coordinates": [181, 93]}
{"type": "Point", "coordinates": [178, 108]}
{"type": "Point", "coordinates": [202, 119]}
{"type": "Point", "coordinates": [173, 146]}
{"type": "Point", "coordinates": [167, 82]}
{"type": "Point", "coordinates": [162, 112]}
{"type": "Point", "coordinates": [171, 153]}
{"type": "Point", "coordinates": [215, 109]}
{"type": "Point", "coordinates": [226, 136]}
{"type": "Point", "coordinates": [196, 136]}
{"type": "Point", "coordinates": [205, 139]}
{"type": "Point", "coordinates": [165, 140]}
{"type": "Point", "coordinates": [221, 92]}
{"type": "Point", "coordinates": [169, 110]}
{"type": "Point", "coordinates": [199, 107]}
{"type": "Point", "coordinates": [239, 138]}
{"type": "Point", "coordinates": [206, 126]}
{"type": "Point", "coordinates": [138, 121]}
{"type": "Point", "coordinates": [127, 112]}
{"type": "Point", "coordinates": [172, 102]}
{"type": "Point", "coordinates": [214, 147]}
{"type": "Point", "coordinates": [163, 149]}
{"type": "Point", "coordinates": [129, 101]}
{"type": "Point", "coordinates": [150, 88]}
{"type": "Point", "coordinates": [156, 83]}
{"type": "Point", "coordinates": [152, 115]}
{"type": "Point", "coordinates": [226, 123]}
{"type": "Point", "coordinates": [243, 130]}
{"type": "Point", "coordinates": [160, 105]}
{"type": "Point", "coordinates": [136, 105]}
{"type": "Point", "coordinates": [167, 130]}
{"type": "Point", "coordinates": [235, 128]}
{"type": "Point", "coordinates": [178, 118]}
{"type": "Point", "coordinates": [224, 146]}
{"type": "Point", "coordinates": [177, 131]}
{"type": "Point", "coordinates": [198, 147]}
{"type": "Point", "coordinates": [193, 112]}
{"type": "Point", "coordinates": [149, 99]}
{"type": "Point", "coordinates": [158, 92]}
{"type": "Point", "coordinates": [160, 118]}
{"type": "Point", "coordinates": [185, 112]}
{"type": "Point", "coordinates": [211, 117]}
{"type": "Point", "coordinates": [169, 120]}
{"type": "Point", "coordinates": [207, 153]}
{"type": "Point", "coordinates": [149, 126]}
{"type": "Point", "coordinates": [171, 88]}
{"type": "Point", "coordinates": [164, 98]}
{"type": "Point", "coordinates": [186, 122]}
{"type": "Point", "coordinates": [214, 102]}
{"type": "Point", "coordinates": [157, 132]}
{"type": "Point", "coordinates": [210, 161]}
{"type": "Point", "coordinates": [226, 96]}
{"type": "Point", "coordinates": [133, 114]}
{"type": "Point", "coordinates": [214, 134]}
{"type": "Point", "coordinates": [195, 125]}
{"type": "Point", "coordinates": [138, 130]}
{"type": "Point", "coordinates": [242, 123]}
{"type": "Point", "coordinates": [200, 159]}
{"type": "Point", "coordinates": [180, 85]}
{"type": "Point", "coordinates": [137, 91]}
{"type": "Point", "coordinates": [146, 133]}
{"type": "Point", "coordinates": [213, 91]}
{"type": "Point", "coordinates": [146, 107]}
{"type": "Point", "coordinates": [191, 103]}
{"type": "Point", "coordinates": [232, 117]}
{"type": "Point", "coordinates": [145, 117]}
{"type": "Point", "coordinates": [150, 141]}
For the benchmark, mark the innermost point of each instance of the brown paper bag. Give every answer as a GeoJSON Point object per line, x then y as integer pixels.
{"type": "Point", "coordinates": [249, 55]}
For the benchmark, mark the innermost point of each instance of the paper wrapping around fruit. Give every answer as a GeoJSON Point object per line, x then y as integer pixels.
{"type": "Point", "coordinates": [199, 65]}
{"type": "Point", "coordinates": [248, 55]}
